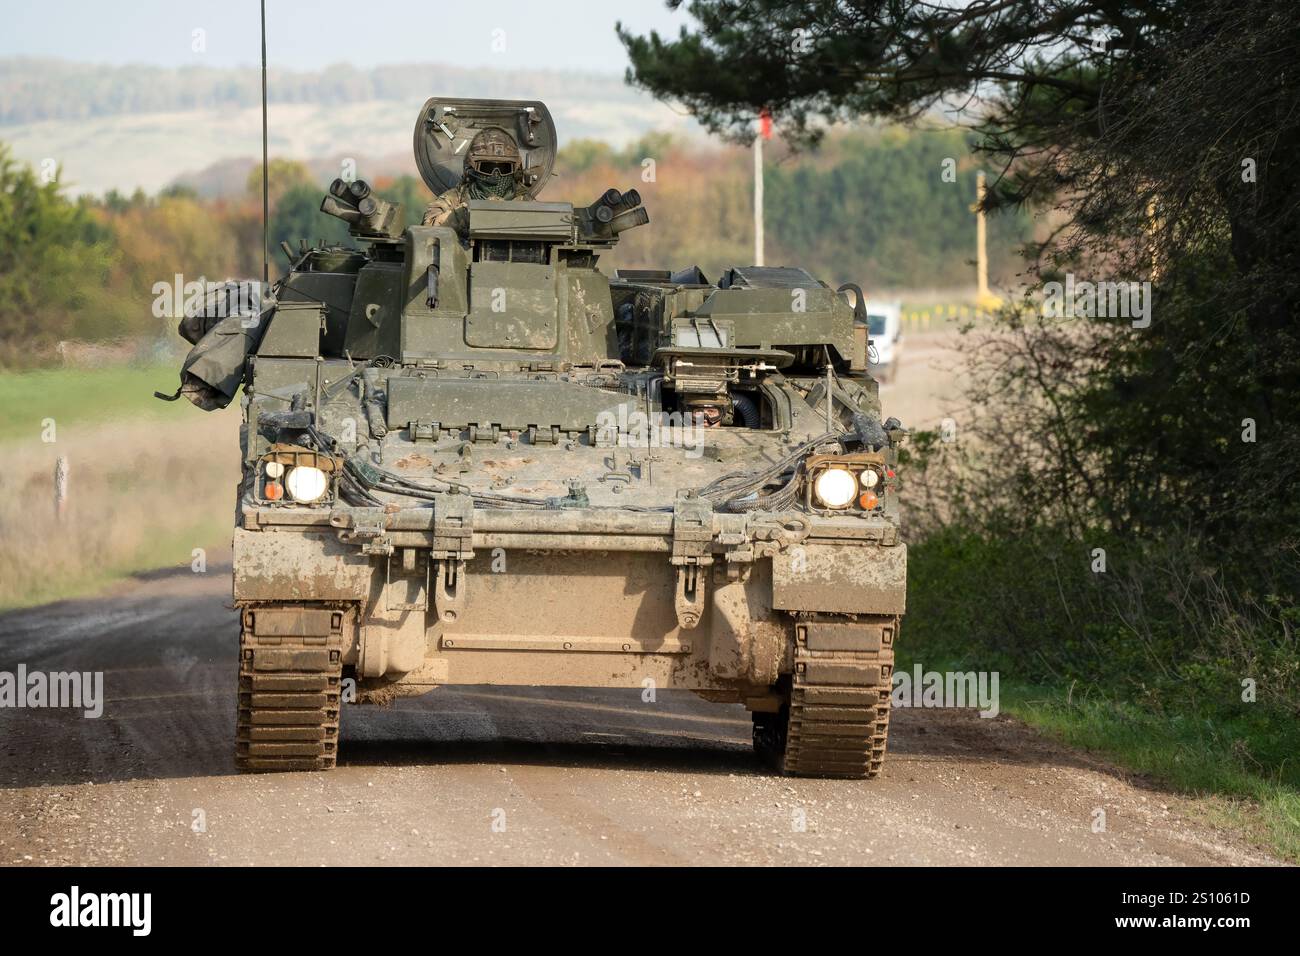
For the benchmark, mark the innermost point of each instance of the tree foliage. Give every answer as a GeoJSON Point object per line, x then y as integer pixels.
{"type": "Point", "coordinates": [1163, 132]}
{"type": "Point", "coordinates": [53, 258]}
{"type": "Point", "coordinates": [871, 206]}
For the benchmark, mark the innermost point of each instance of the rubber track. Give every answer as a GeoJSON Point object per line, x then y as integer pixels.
{"type": "Point", "coordinates": [288, 702]}
{"type": "Point", "coordinates": [837, 721]}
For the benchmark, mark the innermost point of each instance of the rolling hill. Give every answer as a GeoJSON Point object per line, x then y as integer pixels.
{"type": "Point", "coordinates": [143, 127]}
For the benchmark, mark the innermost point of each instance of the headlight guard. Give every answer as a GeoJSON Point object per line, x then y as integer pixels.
{"type": "Point", "coordinates": [276, 482]}
{"type": "Point", "coordinates": [868, 471]}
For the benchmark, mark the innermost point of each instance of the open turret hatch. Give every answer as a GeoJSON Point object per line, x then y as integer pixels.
{"type": "Point", "coordinates": [446, 126]}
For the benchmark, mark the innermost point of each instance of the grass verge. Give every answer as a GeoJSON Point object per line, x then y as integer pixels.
{"type": "Point", "coordinates": [1067, 670]}
{"type": "Point", "coordinates": [74, 397]}
{"type": "Point", "coordinates": [147, 482]}
{"type": "Point", "coordinates": [1207, 758]}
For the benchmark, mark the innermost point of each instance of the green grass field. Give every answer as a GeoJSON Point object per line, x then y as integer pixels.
{"type": "Point", "coordinates": [148, 481]}
{"type": "Point", "coordinates": [74, 397]}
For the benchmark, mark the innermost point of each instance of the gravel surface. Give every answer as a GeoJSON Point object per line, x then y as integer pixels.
{"type": "Point", "coordinates": [514, 775]}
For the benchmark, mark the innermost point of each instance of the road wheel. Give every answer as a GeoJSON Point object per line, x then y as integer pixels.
{"type": "Point", "coordinates": [770, 735]}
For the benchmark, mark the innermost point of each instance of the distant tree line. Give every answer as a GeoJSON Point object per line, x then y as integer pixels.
{"type": "Point", "coordinates": [32, 90]}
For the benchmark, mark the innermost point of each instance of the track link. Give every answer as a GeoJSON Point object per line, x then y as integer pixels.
{"type": "Point", "coordinates": [836, 720]}
{"type": "Point", "coordinates": [289, 689]}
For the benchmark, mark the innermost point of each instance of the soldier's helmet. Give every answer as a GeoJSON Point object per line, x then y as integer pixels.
{"type": "Point", "coordinates": [493, 153]}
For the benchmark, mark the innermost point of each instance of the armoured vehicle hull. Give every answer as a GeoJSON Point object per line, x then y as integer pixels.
{"type": "Point", "coordinates": [470, 457]}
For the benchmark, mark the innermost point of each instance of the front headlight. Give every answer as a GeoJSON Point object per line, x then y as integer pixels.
{"type": "Point", "coordinates": [306, 483]}
{"type": "Point", "coordinates": [833, 488]}
{"type": "Point", "coordinates": [856, 482]}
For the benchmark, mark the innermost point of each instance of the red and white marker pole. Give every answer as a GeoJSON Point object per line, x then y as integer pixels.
{"type": "Point", "coordinates": [764, 132]}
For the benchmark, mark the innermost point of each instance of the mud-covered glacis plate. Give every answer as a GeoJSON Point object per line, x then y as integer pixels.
{"type": "Point", "coordinates": [446, 126]}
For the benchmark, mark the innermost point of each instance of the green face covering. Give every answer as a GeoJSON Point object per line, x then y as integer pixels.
{"type": "Point", "coordinates": [487, 185]}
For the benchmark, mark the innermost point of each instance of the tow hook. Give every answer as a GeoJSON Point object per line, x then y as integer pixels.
{"type": "Point", "coordinates": [449, 590]}
{"type": "Point", "coordinates": [690, 596]}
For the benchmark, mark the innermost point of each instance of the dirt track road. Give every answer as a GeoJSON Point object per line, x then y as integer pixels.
{"type": "Point", "coordinates": [575, 777]}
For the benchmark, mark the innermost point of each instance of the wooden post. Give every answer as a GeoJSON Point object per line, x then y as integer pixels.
{"type": "Point", "coordinates": [60, 487]}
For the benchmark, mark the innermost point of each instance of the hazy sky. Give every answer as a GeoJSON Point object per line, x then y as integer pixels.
{"type": "Point", "coordinates": [305, 35]}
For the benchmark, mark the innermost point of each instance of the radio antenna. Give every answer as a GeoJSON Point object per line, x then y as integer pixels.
{"type": "Point", "coordinates": [266, 184]}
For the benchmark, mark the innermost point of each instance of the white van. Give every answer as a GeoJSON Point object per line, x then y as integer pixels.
{"type": "Point", "coordinates": [885, 331]}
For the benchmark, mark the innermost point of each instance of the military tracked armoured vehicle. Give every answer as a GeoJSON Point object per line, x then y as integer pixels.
{"type": "Point", "coordinates": [472, 457]}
